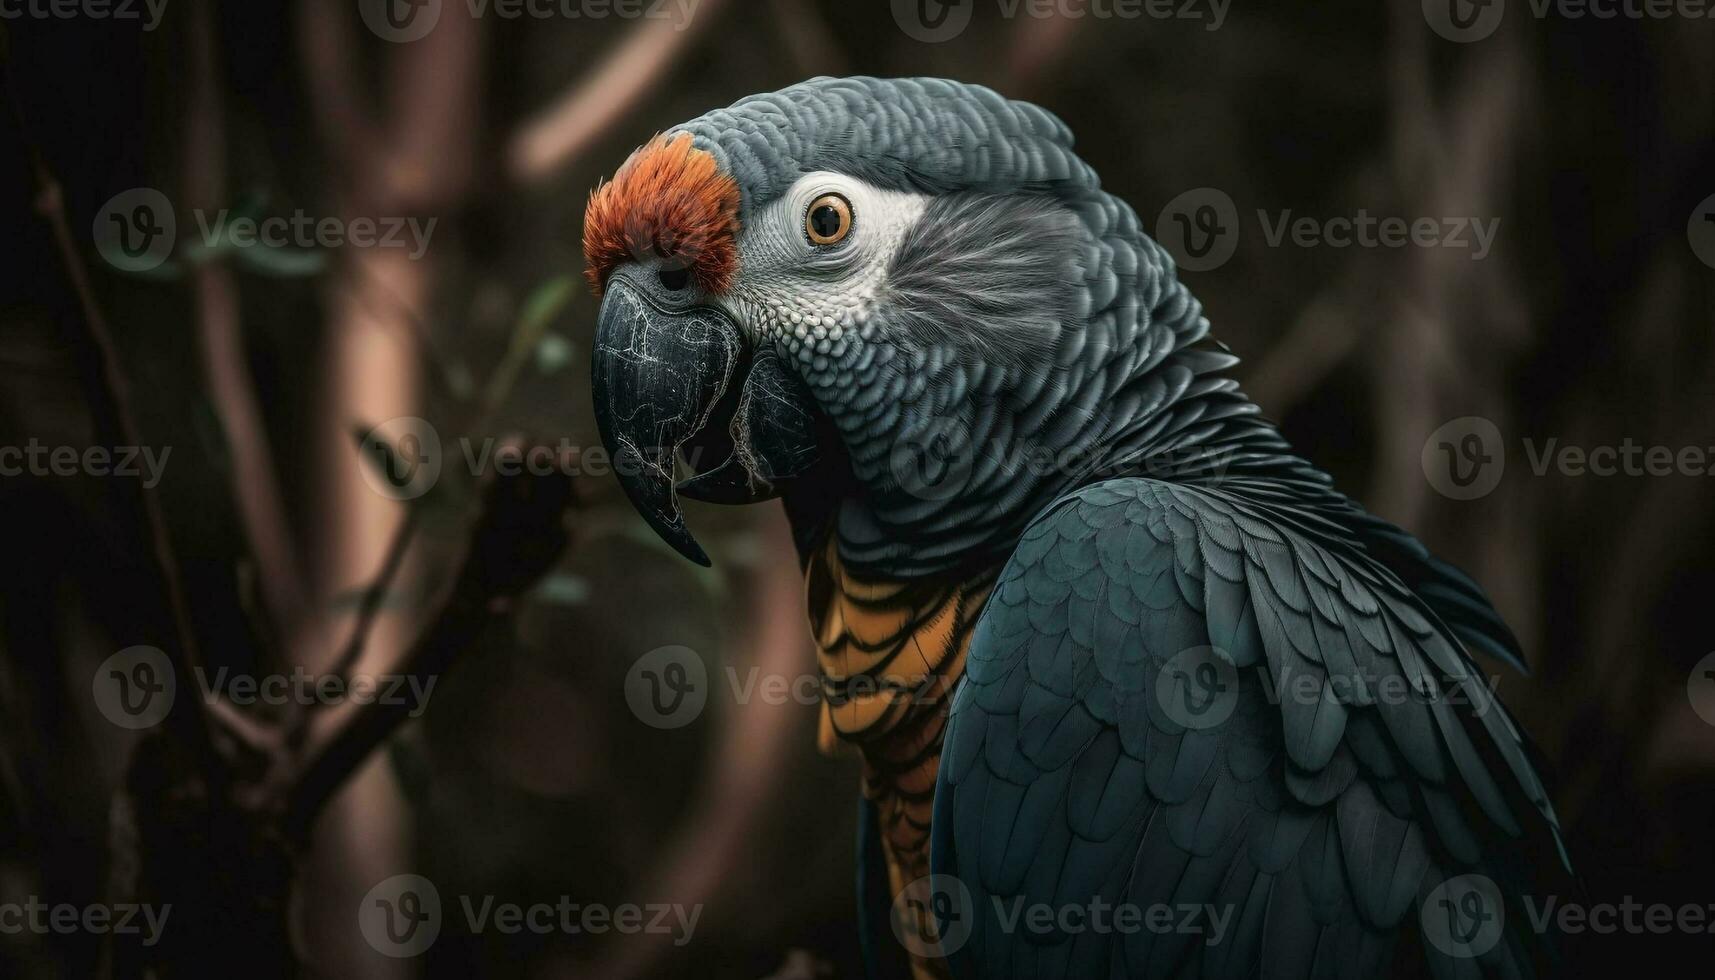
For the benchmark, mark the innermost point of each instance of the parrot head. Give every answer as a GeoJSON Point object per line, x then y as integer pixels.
{"type": "Point", "coordinates": [904, 305]}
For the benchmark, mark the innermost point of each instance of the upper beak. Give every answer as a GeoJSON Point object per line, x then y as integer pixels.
{"type": "Point", "coordinates": [658, 376]}
{"type": "Point", "coordinates": [664, 382]}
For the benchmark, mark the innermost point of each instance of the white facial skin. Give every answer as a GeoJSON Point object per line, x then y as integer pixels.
{"type": "Point", "coordinates": [812, 296]}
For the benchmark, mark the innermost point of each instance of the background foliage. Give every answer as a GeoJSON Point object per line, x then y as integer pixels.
{"type": "Point", "coordinates": [1591, 140]}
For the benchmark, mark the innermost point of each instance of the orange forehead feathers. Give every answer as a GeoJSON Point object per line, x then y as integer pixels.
{"type": "Point", "coordinates": [671, 201]}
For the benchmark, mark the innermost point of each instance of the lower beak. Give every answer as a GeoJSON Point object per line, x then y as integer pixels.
{"type": "Point", "coordinates": [772, 437]}
{"type": "Point", "coordinates": [658, 376]}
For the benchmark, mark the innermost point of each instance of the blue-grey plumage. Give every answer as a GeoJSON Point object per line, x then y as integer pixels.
{"type": "Point", "coordinates": [946, 281]}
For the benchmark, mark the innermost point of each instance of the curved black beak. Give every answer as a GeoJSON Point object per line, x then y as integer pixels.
{"type": "Point", "coordinates": [659, 374]}
{"type": "Point", "coordinates": [665, 388]}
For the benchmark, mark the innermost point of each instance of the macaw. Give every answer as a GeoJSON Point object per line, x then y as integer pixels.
{"type": "Point", "coordinates": [1102, 640]}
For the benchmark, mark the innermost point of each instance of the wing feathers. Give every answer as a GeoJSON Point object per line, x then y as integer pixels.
{"type": "Point", "coordinates": [1358, 756]}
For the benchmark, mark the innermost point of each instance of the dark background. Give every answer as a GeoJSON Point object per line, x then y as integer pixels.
{"type": "Point", "coordinates": [1592, 141]}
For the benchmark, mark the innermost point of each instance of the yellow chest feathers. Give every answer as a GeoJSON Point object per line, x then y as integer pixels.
{"type": "Point", "coordinates": [890, 653]}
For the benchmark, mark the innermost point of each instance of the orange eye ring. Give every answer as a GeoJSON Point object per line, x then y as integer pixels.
{"type": "Point", "coordinates": [828, 220]}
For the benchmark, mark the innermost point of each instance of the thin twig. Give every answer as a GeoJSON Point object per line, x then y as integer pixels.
{"type": "Point", "coordinates": [369, 605]}
{"type": "Point", "coordinates": [519, 534]}
{"type": "Point", "coordinates": [110, 399]}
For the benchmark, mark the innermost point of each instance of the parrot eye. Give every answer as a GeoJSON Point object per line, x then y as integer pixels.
{"type": "Point", "coordinates": [674, 279]}
{"type": "Point", "coordinates": [829, 220]}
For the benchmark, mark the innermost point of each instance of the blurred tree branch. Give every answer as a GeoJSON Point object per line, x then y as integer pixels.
{"type": "Point", "coordinates": [588, 109]}
{"type": "Point", "coordinates": [255, 486]}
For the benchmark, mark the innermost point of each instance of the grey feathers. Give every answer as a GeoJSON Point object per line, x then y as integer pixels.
{"type": "Point", "coordinates": [987, 273]}
{"type": "Point", "coordinates": [922, 134]}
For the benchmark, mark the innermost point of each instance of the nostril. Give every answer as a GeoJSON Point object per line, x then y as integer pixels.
{"type": "Point", "coordinates": [675, 279]}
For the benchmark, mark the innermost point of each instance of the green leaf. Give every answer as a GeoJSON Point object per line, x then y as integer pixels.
{"type": "Point", "coordinates": [283, 263]}
{"type": "Point", "coordinates": [392, 599]}
{"type": "Point", "coordinates": [553, 353]}
{"type": "Point", "coordinates": [562, 589]}
{"type": "Point", "coordinates": [545, 303]}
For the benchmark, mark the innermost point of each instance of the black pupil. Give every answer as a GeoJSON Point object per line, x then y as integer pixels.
{"type": "Point", "coordinates": [675, 279]}
{"type": "Point", "coordinates": [825, 221]}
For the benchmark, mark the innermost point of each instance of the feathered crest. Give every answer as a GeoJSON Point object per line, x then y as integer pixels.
{"type": "Point", "coordinates": [670, 200]}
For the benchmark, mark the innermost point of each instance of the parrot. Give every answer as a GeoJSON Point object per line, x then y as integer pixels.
{"type": "Point", "coordinates": [1136, 691]}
